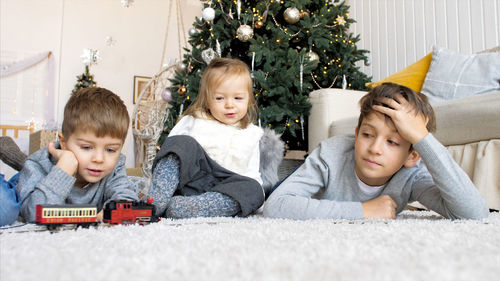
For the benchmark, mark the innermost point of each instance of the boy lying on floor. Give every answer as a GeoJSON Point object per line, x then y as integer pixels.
{"type": "Point", "coordinates": [86, 166]}
{"type": "Point", "coordinates": [376, 172]}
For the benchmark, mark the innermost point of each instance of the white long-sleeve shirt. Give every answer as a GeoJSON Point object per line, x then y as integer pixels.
{"type": "Point", "coordinates": [231, 147]}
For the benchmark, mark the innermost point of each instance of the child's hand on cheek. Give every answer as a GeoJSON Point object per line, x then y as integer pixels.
{"type": "Point", "coordinates": [411, 126]}
{"type": "Point", "coordinates": [66, 159]}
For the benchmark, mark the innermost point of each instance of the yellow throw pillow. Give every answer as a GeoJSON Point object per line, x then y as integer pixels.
{"type": "Point", "coordinates": [412, 76]}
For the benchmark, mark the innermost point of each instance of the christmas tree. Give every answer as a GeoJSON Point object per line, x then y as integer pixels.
{"type": "Point", "coordinates": [291, 47]}
{"type": "Point", "coordinates": [86, 80]}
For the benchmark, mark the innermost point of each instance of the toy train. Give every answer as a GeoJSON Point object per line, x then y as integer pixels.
{"type": "Point", "coordinates": [115, 212]}
{"type": "Point", "coordinates": [126, 212]}
{"type": "Point", "coordinates": [53, 215]}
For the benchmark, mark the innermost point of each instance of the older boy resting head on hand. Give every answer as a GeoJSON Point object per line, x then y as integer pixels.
{"type": "Point", "coordinates": [377, 172]}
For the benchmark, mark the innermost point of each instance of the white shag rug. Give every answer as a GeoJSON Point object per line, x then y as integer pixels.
{"type": "Point", "coordinates": [418, 245]}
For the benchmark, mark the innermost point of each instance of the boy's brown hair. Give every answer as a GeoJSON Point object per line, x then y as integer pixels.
{"type": "Point", "coordinates": [390, 90]}
{"type": "Point", "coordinates": [97, 110]}
{"type": "Point", "coordinates": [216, 72]}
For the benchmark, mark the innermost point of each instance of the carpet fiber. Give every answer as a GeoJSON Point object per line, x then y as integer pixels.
{"type": "Point", "coordinates": [418, 245]}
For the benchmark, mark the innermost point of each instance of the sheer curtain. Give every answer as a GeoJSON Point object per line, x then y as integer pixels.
{"type": "Point", "coordinates": [26, 94]}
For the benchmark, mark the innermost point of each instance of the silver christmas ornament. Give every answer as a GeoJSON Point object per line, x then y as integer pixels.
{"type": "Point", "coordinates": [208, 55]}
{"type": "Point", "coordinates": [208, 14]}
{"type": "Point", "coordinates": [193, 31]}
{"type": "Point", "coordinates": [291, 15]}
{"type": "Point", "coordinates": [344, 82]}
{"type": "Point", "coordinates": [368, 62]}
{"type": "Point", "coordinates": [217, 48]}
{"type": "Point", "coordinates": [244, 32]}
{"type": "Point", "coordinates": [166, 95]}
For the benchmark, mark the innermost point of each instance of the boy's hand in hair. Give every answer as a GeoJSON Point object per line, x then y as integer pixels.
{"type": "Point", "coordinates": [66, 160]}
{"type": "Point", "coordinates": [410, 125]}
{"type": "Point", "coordinates": [382, 207]}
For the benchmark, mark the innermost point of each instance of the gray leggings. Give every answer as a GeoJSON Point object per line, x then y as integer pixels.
{"type": "Point", "coordinates": [165, 182]}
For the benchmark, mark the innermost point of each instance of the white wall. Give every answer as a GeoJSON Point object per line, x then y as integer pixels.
{"type": "Point", "coordinates": [399, 32]}
{"type": "Point", "coordinates": [66, 27]}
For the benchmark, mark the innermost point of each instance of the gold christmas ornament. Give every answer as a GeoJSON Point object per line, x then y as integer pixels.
{"type": "Point", "coordinates": [182, 90]}
{"type": "Point", "coordinates": [312, 56]}
{"type": "Point", "coordinates": [244, 32]}
{"type": "Point", "coordinates": [303, 14]}
{"type": "Point", "coordinates": [259, 24]}
{"type": "Point", "coordinates": [291, 15]}
{"type": "Point", "coordinates": [181, 67]}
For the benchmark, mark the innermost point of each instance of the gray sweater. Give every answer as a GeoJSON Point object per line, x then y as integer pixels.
{"type": "Point", "coordinates": [42, 182]}
{"type": "Point", "coordinates": [326, 186]}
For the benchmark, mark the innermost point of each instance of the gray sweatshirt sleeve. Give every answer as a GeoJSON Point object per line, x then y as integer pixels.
{"type": "Point", "coordinates": [446, 188]}
{"type": "Point", "coordinates": [37, 186]}
{"type": "Point", "coordinates": [294, 197]}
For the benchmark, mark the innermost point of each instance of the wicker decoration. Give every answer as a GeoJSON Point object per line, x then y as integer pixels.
{"type": "Point", "coordinates": [147, 121]}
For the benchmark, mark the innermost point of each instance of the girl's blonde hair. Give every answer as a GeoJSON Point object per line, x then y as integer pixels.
{"type": "Point", "coordinates": [216, 72]}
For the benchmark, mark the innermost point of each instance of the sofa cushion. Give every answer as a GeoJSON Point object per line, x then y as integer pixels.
{"type": "Point", "coordinates": [459, 121]}
{"type": "Point", "coordinates": [452, 75]}
{"type": "Point", "coordinates": [412, 76]}
{"type": "Point", "coordinates": [468, 119]}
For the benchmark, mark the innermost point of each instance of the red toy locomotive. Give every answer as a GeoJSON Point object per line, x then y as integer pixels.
{"type": "Point", "coordinates": [126, 212]}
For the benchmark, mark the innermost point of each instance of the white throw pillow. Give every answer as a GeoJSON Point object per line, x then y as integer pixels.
{"type": "Point", "coordinates": [452, 75]}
